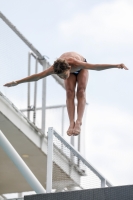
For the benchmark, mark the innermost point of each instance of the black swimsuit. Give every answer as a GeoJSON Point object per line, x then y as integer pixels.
{"type": "Point", "coordinates": [77, 72]}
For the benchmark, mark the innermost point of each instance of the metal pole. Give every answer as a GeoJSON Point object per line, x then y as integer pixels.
{"type": "Point", "coordinates": [44, 100]}
{"type": "Point", "coordinates": [82, 133]}
{"type": "Point", "coordinates": [28, 91]}
{"type": "Point", "coordinates": [72, 141]}
{"type": "Point", "coordinates": [20, 164]}
{"type": "Point", "coordinates": [48, 107]}
{"type": "Point", "coordinates": [49, 161]}
{"type": "Point", "coordinates": [79, 138]}
{"type": "Point", "coordinates": [103, 183]}
{"type": "Point", "coordinates": [2, 197]}
{"type": "Point", "coordinates": [20, 195]}
{"type": "Point", "coordinates": [35, 93]}
{"type": "Point", "coordinates": [62, 126]}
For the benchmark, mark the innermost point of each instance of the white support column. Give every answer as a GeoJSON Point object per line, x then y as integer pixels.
{"type": "Point", "coordinates": [2, 198]}
{"type": "Point", "coordinates": [20, 195]}
{"type": "Point", "coordinates": [49, 161]}
{"type": "Point", "coordinates": [103, 183]}
{"type": "Point", "coordinates": [20, 164]}
{"type": "Point", "coordinates": [35, 93]}
{"type": "Point", "coordinates": [28, 89]}
{"type": "Point", "coordinates": [44, 100]}
{"type": "Point", "coordinates": [62, 125]}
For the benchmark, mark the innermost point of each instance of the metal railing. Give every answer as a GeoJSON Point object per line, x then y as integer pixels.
{"type": "Point", "coordinates": [62, 109]}
{"type": "Point", "coordinates": [29, 108]}
{"type": "Point", "coordinates": [67, 169]}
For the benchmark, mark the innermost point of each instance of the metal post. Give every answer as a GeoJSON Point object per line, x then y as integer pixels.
{"type": "Point", "coordinates": [103, 183]}
{"type": "Point", "coordinates": [44, 100]}
{"type": "Point", "coordinates": [79, 138]}
{"type": "Point", "coordinates": [72, 140]}
{"type": "Point", "coordinates": [20, 164]}
{"type": "Point", "coordinates": [49, 161]}
{"type": "Point", "coordinates": [28, 91]}
{"type": "Point", "coordinates": [20, 195]}
{"type": "Point", "coordinates": [35, 94]}
{"type": "Point", "coordinates": [83, 132]}
{"type": "Point", "coordinates": [2, 197]}
{"type": "Point", "coordinates": [62, 127]}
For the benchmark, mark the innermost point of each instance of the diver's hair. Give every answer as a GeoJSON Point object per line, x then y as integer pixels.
{"type": "Point", "coordinates": [60, 66]}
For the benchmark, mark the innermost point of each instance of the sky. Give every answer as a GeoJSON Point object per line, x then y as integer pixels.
{"type": "Point", "coordinates": [102, 32]}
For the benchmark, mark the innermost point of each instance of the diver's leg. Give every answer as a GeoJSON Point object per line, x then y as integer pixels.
{"type": "Point", "coordinates": [82, 79]}
{"type": "Point", "coordinates": [70, 85]}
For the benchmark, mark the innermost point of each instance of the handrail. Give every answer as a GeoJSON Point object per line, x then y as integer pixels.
{"type": "Point", "coordinates": [75, 152]}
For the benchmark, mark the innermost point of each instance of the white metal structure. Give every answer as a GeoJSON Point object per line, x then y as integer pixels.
{"type": "Point", "coordinates": [20, 164]}
{"type": "Point", "coordinates": [31, 145]}
{"type": "Point", "coordinates": [69, 166]}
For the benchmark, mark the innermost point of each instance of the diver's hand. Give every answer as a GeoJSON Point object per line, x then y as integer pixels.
{"type": "Point", "coordinates": [13, 83]}
{"type": "Point", "coordinates": [122, 66]}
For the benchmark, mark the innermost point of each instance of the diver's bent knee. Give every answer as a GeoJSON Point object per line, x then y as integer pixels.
{"type": "Point", "coordinates": [70, 94]}
{"type": "Point", "coordinates": [81, 93]}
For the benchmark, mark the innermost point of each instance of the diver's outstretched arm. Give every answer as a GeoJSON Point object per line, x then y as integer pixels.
{"type": "Point", "coordinates": [34, 77]}
{"type": "Point", "coordinates": [86, 65]}
{"type": "Point", "coordinates": [103, 66]}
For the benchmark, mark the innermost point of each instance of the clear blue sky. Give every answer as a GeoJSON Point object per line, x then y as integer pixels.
{"type": "Point", "coordinates": [102, 31]}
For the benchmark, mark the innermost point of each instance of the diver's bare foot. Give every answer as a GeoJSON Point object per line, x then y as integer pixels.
{"type": "Point", "coordinates": [70, 129]}
{"type": "Point", "coordinates": [77, 128]}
